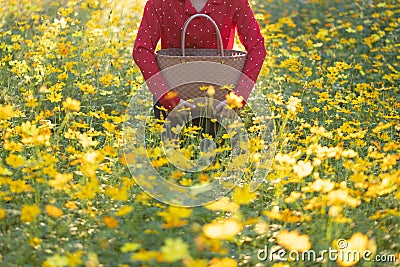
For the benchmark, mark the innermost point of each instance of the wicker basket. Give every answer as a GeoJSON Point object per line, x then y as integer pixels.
{"type": "Point", "coordinates": [173, 56]}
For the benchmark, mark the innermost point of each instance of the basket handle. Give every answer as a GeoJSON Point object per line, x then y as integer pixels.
{"type": "Point", "coordinates": [219, 38]}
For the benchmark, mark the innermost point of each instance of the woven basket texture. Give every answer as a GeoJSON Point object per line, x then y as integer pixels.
{"type": "Point", "coordinates": [167, 58]}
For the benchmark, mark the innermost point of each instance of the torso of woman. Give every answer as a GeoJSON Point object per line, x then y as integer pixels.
{"type": "Point", "coordinates": [175, 13]}
{"type": "Point", "coordinates": [198, 4]}
{"type": "Point", "coordinates": [164, 19]}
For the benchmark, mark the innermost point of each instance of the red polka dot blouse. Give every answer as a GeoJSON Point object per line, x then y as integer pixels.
{"type": "Point", "coordinates": [165, 19]}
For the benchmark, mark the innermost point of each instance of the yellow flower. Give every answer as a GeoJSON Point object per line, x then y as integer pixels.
{"type": "Point", "coordinates": [210, 91]}
{"type": "Point", "coordinates": [234, 101]}
{"type": "Point", "coordinates": [294, 104]}
{"type": "Point", "coordinates": [203, 177]}
{"type": "Point", "coordinates": [170, 95]}
{"type": "Point", "coordinates": [63, 49]}
{"type": "Point", "coordinates": [117, 194]}
{"type": "Point", "coordinates": [341, 197]}
{"type": "Point", "coordinates": [274, 214]}
{"type": "Point", "coordinates": [109, 79]}
{"type": "Point", "coordinates": [280, 264]}
{"type": "Point", "coordinates": [56, 261]}
{"type": "Point", "coordinates": [110, 222]}
{"type": "Point", "coordinates": [60, 181]}
{"type": "Point", "coordinates": [223, 204]}
{"type": "Point", "coordinates": [123, 211]}
{"type": "Point", "coordinates": [391, 146]}
{"type": "Point", "coordinates": [18, 186]}
{"type": "Point", "coordinates": [389, 161]}
{"type": "Point", "coordinates": [15, 160]}
{"type": "Point", "coordinates": [2, 214]}
{"type": "Point", "coordinates": [320, 130]}
{"type": "Point", "coordinates": [93, 260]}
{"type": "Point", "coordinates": [225, 229]}
{"type": "Point", "coordinates": [129, 247]}
{"type": "Point", "coordinates": [35, 241]}
{"type": "Point", "coordinates": [225, 262]}
{"type": "Point", "coordinates": [31, 134]}
{"type": "Point", "coordinates": [319, 185]}
{"type": "Point", "coordinates": [303, 169]}
{"type": "Point", "coordinates": [63, 76]}
{"type": "Point", "coordinates": [177, 174]}
{"type": "Point", "coordinates": [6, 112]}
{"type": "Point", "coordinates": [285, 158]}
{"type": "Point", "coordinates": [189, 262]}
{"type": "Point", "coordinates": [293, 240]}
{"type": "Point", "coordinates": [74, 259]}
{"type": "Point", "coordinates": [31, 101]}
{"type": "Point", "coordinates": [315, 57]}
{"type": "Point", "coordinates": [53, 211]}
{"type": "Point", "coordinates": [173, 216]}
{"type": "Point", "coordinates": [145, 255]}
{"type": "Point", "coordinates": [174, 250]}
{"type": "Point", "coordinates": [293, 197]}
{"type": "Point", "coordinates": [347, 255]}
{"type": "Point", "coordinates": [72, 104]}
{"type": "Point", "coordinates": [54, 97]}
{"type": "Point", "coordinates": [13, 146]}
{"type": "Point", "coordinates": [71, 205]}
{"type": "Point", "coordinates": [86, 88]}
{"type": "Point", "coordinates": [227, 87]}
{"type": "Point", "coordinates": [29, 213]}
{"type": "Point", "coordinates": [109, 126]}
{"type": "Point", "coordinates": [242, 195]}
{"type": "Point", "coordinates": [349, 153]}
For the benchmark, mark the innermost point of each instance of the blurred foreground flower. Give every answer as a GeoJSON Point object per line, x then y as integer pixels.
{"type": "Point", "coordinates": [293, 104]}
{"type": "Point", "coordinates": [223, 204]}
{"type": "Point", "coordinates": [174, 250]}
{"type": "Point", "coordinates": [2, 214]}
{"type": "Point", "coordinates": [293, 240]}
{"type": "Point", "coordinates": [173, 216]}
{"type": "Point", "coordinates": [234, 101]}
{"type": "Point", "coordinates": [6, 112]}
{"type": "Point", "coordinates": [225, 229]}
{"type": "Point", "coordinates": [353, 249]}
{"type": "Point", "coordinates": [71, 104]}
{"type": "Point", "coordinates": [225, 262]}
{"type": "Point", "coordinates": [303, 169]}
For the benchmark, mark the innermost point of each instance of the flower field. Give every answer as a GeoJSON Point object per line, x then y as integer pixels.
{"type": "Point", "coordinates": [67, 198]}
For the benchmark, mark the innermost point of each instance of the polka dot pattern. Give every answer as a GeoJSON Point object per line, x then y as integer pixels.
{"type": "Point", "coordinates": [164, 19]}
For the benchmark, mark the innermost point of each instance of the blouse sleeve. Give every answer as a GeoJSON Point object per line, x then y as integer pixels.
{"type": "Point", "coordinates": [250, 36]}
{"type": "Point", "coordinates": [148, 35]}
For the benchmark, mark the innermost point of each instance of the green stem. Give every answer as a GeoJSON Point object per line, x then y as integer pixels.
{"type": "Point", "coordinates": [63, 123]}
{"type": "Point", "coordinates": [281, 132]}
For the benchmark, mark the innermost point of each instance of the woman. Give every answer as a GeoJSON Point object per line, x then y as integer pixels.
{"type": "Point", "coordinates": [165, 19]}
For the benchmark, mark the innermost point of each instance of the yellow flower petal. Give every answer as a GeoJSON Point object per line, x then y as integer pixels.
{"type": "Point", "coordinates": [226, 229]}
